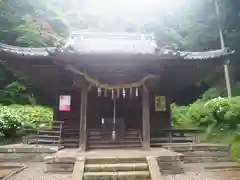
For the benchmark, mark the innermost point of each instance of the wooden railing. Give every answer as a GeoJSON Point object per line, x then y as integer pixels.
{"type": "Point", "coordinates": [175, 136]}
{"type": "Point", "coordinates": [48, 135]}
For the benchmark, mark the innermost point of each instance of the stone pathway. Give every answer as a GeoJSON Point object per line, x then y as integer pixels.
{"type": "Point", "coordinates": [35, 172]}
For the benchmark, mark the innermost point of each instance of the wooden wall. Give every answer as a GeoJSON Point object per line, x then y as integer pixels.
{"type": "Point", "coordinates": [159, 120]}
{"type": "Point", "coordinates": [72, 118]}
{"type": "Point", "coordinates": [98, 107]}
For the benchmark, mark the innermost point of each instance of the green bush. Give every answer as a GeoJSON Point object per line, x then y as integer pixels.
{"type": "Point", "coordinates": [16, 119]}
{"type": "Point", "coordinates": [222, 112]}
{"type": "Point", "coordinates": [179, 115]}
{"type": "Point", "coordinates": [199, 115]}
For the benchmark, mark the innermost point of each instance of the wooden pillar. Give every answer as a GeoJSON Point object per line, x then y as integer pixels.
{"type": "Point", "coordinates": [83, 120]}
{"type": "Point", "coordinates": [145, 119]}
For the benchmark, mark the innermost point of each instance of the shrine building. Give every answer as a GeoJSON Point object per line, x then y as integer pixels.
{"type": "Point", "coordinates": [111, 89]}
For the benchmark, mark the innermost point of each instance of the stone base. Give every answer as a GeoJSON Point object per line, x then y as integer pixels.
{"type": "Point", "coordinates": [59, 167]}
{"type": "Point", "coordinates": [63, 161]}
{"type": "Point", "coordinates": [25, 153]}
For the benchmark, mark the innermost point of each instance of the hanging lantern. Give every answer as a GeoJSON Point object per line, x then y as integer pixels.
{"type": "Point", "coordinates": [124, 93]}
{"type": "Point", "coordinates": [99, 90]}
{"type": "Point", "coordinates": [112, 93]}
{"type": "Point", "coordinates": [136, 92]}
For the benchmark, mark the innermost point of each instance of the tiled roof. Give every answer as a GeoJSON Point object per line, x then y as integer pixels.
{"type": "Point", "coordinates": [112, 43]}
{"type": "Point", "coordinates": [207, 54]}
{"type": "Point", "coordinates": [26, 51]}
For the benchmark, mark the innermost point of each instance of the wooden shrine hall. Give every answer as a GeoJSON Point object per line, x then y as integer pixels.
{"type": "Point", "coordinates": [112, 89]}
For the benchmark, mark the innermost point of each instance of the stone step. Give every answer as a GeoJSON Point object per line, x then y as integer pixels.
{"type": "Point", "coordinates": [117, 175]}
{"type": "Point", "coordinates": [116, 167]}
{"type": "Point", "coordinates": [115, 160]}
{"type": "Point", "coordinates": [176, 167]}
{"type": "Point", "coordinates": [207, 154]}
{"type": "Point", "coordinates": [189, 147]}
{"type": "Point", "coordinates": [214, 166]}
{"type": "Point", "coordinates": [222, 165]}
{"type": "Point", "coordinates": [206, 160]}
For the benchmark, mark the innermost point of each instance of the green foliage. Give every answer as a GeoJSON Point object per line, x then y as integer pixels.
{"type": "Point", "coordinates": [179, 115]}
{"type": "Point", "coordinates": [16, 118]}
{"type": "Point", "coordinates": [199, 115]}
{"type": "Point", "coordinates": [215, 134]}
{"type": "Point", "coordinates": [222, 112]}
{"type": "Point", "coordinates": [16, 93]}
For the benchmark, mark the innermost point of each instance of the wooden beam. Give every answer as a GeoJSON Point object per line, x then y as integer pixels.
{"type": "Point", "coordinates": [83, 119]}
{"type": "Point", "coordinates": [145, 118]}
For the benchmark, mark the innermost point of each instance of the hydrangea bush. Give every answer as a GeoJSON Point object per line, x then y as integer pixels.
{"type": "Point", "coordinates": [17, 118]}
{"type": "Point", "coordinates": [223, 112]}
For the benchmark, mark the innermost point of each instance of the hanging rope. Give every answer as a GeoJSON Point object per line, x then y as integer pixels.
{"type": "Point", "coordinates": [109, 86]}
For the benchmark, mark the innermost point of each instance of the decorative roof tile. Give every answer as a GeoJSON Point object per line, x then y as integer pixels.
{"type": "Point", "coordinates": [26, 51]}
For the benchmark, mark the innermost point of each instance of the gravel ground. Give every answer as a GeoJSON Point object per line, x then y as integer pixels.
{"type": "Point", "coordinates": [193, 176]}
{"type": "Point", "coordinates": [35, 172]}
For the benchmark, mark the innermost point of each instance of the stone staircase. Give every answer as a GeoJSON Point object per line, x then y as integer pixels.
{"type": "Point", "coordinates": [205, 157]}
{"type": "Point", "coordinates": [97, 141]}
{"type": "Point", "coordinates": [202, 153]}
{"type": "Point", "coordinates": [113, 169]}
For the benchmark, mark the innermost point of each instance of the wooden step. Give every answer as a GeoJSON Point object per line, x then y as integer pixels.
{"type": "Point", "coordinates": [50, 128]}
{"type": "Point", "coordinates": [49, 132]}
{"type": "Point", "coordinates": [43, 136]}
{"type": "Point", "coordinates": [115, 146]}
{"type": "Point", "coordinates": [44, 141]}
{"type": "Point", "coordinates": [58, 122]}
{"type": "Point", "coordinates": [101, 137]}
{"type": "Point", "coordinates": [70, 145]}
{"type": "Point", "coordinates": [116, 167]}
{"type": "Point", "coordinates": [117, 175]}
{"type": "Point", "coordinates": [114, 142]}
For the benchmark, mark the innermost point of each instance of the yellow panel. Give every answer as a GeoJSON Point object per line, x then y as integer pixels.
{"type": "Point", "coordinates": [160, 103]}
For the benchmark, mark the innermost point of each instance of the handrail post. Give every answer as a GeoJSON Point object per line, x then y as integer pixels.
{"type": "Point", "coordinates": [60, 135]}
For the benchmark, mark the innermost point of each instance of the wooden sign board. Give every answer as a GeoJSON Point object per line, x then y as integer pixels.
{"type": "Point", "coordinates": [160, 103]}
{"type": "Point", "coordinates": [64, 103]}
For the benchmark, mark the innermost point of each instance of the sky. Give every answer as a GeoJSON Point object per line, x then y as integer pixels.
{"type": "Point", "coordinates": [129, 7]}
